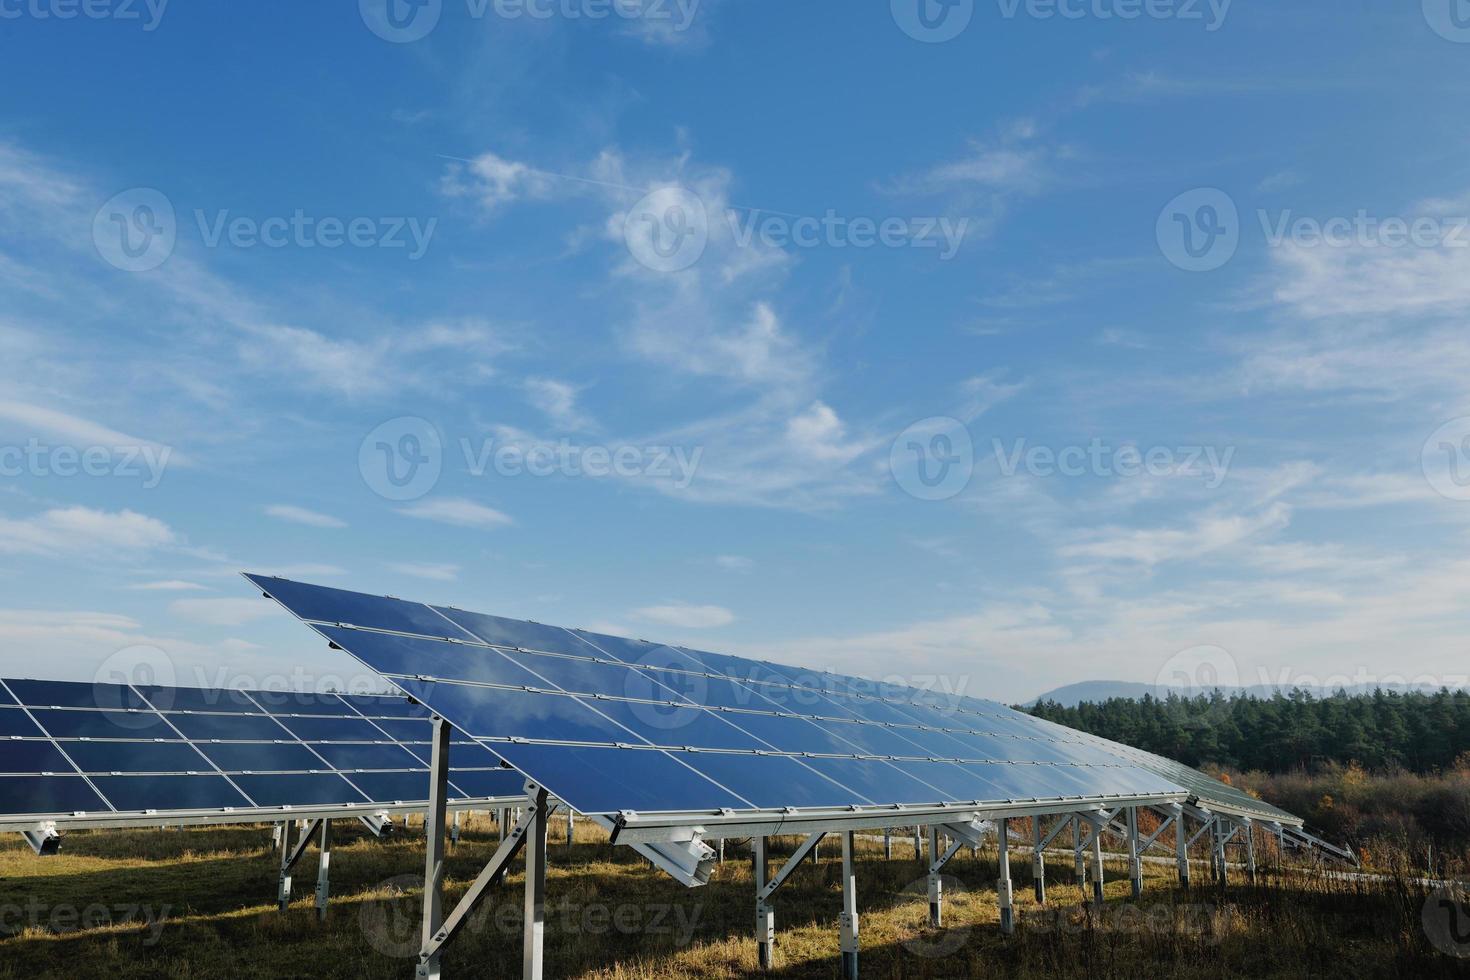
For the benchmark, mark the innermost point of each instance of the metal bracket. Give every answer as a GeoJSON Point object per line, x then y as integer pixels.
{"type": "Point", "coordinates": [380, 825]}
{"type": "Point", "coordinates": [45, 841]}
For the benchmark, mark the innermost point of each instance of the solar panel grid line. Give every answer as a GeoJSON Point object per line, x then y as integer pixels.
{"type": "Point", "coordinates": [197, 749]}
{"type": "Point", "coordinates": [69, 760]}
{"type": "Point", "coordinates": [370, 721]}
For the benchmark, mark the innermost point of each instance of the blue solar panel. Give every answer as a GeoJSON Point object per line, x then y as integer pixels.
{"type": "Point", "coordinates": [67, 747]}
{"type": "Point", "coordinates": [736, 733]}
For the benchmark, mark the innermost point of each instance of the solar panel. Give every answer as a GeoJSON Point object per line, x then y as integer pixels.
{"type": "Point", "coordinates": [107, 751]}
{"type": "Point", "coordinates": [609, 724]}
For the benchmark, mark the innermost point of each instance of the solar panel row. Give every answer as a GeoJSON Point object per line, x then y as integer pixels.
{"type": "Point", "coordinates": [68, 747]}
{"type": "Point", "coordinates": [706, 731]}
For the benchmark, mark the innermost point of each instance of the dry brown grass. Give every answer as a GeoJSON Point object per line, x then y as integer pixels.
{"type": "Point", "coordinates": [210, 895]}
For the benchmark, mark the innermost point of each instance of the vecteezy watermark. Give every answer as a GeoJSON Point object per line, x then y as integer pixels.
{"type": "Point", "coordinates": [1208, 463]}
{"type": "Point", "coordinates": [1209, 13]}
{"type": "Point", "coordinates": [403, 458]}
{"type": "Point", "coordinates": [937, 21]}
{"type": "Point", "coordinates": [676, 464]}
{"type": "Point", "coordinates": [137, 231]}
{"type": "Point", "coordinates": [1365, 230]}
{"type": "Point", "coordinates": [1197, 670]}
{"type": "Point", "coordinates": [301, 230]}
{"type": "Point", "coordinates": [1445, 459]}
{"type": "Point", "coordinates": [930, 943]}
{"type": "Point", "coordinates": [1199, 231]}
{"type": "Point", "coordinates": [1450, 19]}
{"type": "Point", "coordinates": [33, 913]}
{"type": "Point", "coordinates": [668, 230]}
{"type": "Point", "coordinates": [1208, 922]}
{"type": "Point", "coordinates": [38, 459]}
{"type": "Point", "coordinates": [147, 13]}
{"type": "Point", "coordinates": [933, 459]}
{"type": "Point", "coordinates": [392, 927]}
{"type": "Point", "coordinates": [1446, 919]}
{"type": "Point", "coordinates": [406, 21]}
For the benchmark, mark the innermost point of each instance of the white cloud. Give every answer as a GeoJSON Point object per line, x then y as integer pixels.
{"type": "Point", "coordinates": [686, 616]}
{"type": "Point", "coordinates": [169, 585]}
{"type": "Point", "coordinates": [76, 431]}
{"type": "Point", "coordinates": [72, 530]}
{"type": "Point", "coordinates": [434, 572]}
{"type": "Point", "coordinates": [492, 181]}
{"type": "Point", "coordinates": [557, 400]}
{"type": "Point", "coordinates": [734, 563]}
{"type": "Point", "coordinates": [300, 515]}
{"type": "Point", "coordinates": [1152, 546]}
{"type": "Point", "coordinates": [458, 511]}
{"type": "Point", "coordinates": [223, 612]}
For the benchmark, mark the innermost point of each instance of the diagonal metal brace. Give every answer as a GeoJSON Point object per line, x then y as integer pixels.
{"type": "Point", "coordinates": [1153, 838]}
{"type": "Point", "coordinates": [301, 846]}
{"type": "Point", "coordinates": [488, 879]}
{"type": "Point", "coordinates": [938, 864]}
{"type": "Point", "coordinates": [806, 848]}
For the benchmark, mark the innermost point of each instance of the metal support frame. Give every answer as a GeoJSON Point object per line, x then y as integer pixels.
{"type": "Point", "coordinates": [1038, 863]}
{"type": "Point", "coordinates": [1250, 850]}
{"type": "Point", "coordinates": [572, 827]}
{"type": "Point", "coordinates": [1097, 863]}
{"type": "Point", "coordinates": [380, 825]}
{"type": "Point", "coordinates": [428, 965]}
{"type": "Point", "coordinates": [765, 916]}
{"type": "Point", "coordinates": [323, 871]}
{"type": "Point", "coordinates": [1181, 849]}
{"type": "Point", "coordinates": [888, 843]}
{"type": "Point", "coordinates": [534, 938]}
{"type": "Point", "coordinates": [454, 827]}
{"type": "Point", "coordinates": [1135, 862]}
{"type": "Point", "coordinates": [936, 883]}
{"type": "Point", "coordinates": [1003, 883]}
{"type": "Point", "coordinates": [45, 841]}
{"type": "Point", "coordinates": [291, 857]}
{"type": "Point", "coordinates": [1078, 843]}
{"type": "Point", "coordinates": [850, 934]}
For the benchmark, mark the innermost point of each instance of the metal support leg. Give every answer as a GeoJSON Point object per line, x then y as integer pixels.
{"type": "Point", "coordinates": [1038, 864]}
{"type": "Point", "coordinates": [850, 931]}
{"type": "Point", "coordinates": [323, 872]}
{"type": "Point", "coordinates": [276, 836]}
{"type": "Point", "coordinates": [720, 851]}
{"type": "Point", "coordinates": [765, 916]}
{"type": "Point", "coordinates": [1250, 851]}
{"type": "Point", "coordinates": [1135, 861]}
{"type": "Point", "coordinates": [1078, 845]}
{"type": "Point", "coordinates": [919, 843]}
{"type": "Point", "coordinates": [283, 891]}
{"type": "Point", "coordinates": [535, 923]}
{"type": "Point", "coordinates": [1181, 850]}
{"type": "Point", "coordinates": [887, 845]}
{"type": "Point", "coordinates": [1003, 883]}
{"type": "Point", "coordinates": [1221, 870]}
{"type": "Point", "coordinates": [428, 967]}
{"type": "Point", "coordinates": [571, 826]}
{"type": "Point", "coordinates": [936, 883]}
{"type": "Point", "coordinates": [1097, 866]}
{"type": "Point", "coordinates": [454, 828]}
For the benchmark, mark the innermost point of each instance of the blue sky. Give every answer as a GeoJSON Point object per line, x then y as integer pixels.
{"type": "Point", "coordinates": [1008, 346]}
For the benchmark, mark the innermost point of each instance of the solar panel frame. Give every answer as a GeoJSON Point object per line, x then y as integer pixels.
{"type": "Point", "coordinates": [159, 774]}
{"type": "Point", "coordinates": [450, 639]}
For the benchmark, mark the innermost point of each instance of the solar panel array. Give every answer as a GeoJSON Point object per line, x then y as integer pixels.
{"type": "Point", "coordinates": [609, 724]}
{"type": "Point", "coordinates": [69, 748]}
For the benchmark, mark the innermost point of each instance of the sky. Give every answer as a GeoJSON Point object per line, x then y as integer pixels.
{"type": "Point", "coordinates": [988, 345]}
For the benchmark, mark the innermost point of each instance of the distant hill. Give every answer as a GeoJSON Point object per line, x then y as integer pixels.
{"type": "Point", "coordinates": [1095, 692]}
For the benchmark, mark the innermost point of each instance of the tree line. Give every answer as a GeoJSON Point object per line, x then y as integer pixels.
{"type": "Point", "coordinates": [1383, 731]}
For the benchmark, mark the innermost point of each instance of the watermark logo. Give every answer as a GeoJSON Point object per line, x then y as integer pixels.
{"type": "Point", "coordinates": [933, 21]}
{"type": "Point", "coordinates": [38, 459]}
{"type": "Point", "coordinates": [667, 230]}
{"type": "Point", "coordinates": [302, 230]}
{"type": "Point", "coordinates": [663, 695]}
{"type": "Point", "coordinates": [675, 465]}
{"type": "Point", "coordinates": [1210, 464]}
{"type": "Point", "coordinates": [933, 459]}
{"type": "Point", "coordinates": [1445, 459]}
{"type": "Point", "coordinates": [135, 231]}
{"type": "Point", "coordinates": [1198, 669]}
{"type": "Point", "coordinates": [401, 21]}
{"type": "Point", "coordinates": [1365, 230]}
{"type": "Point", "coordinates": [148, 13]}
{"type": "Point", "coordinates": [1199, 231]}
{"type": "Point", "coordinates": [402, 458]}
{"type": "Point", "coordinates": [392, 927]}
{"type": "Point", "coordinates": [1449, 18]}
{"type": "Point", "coordinates": [16, 918]}
{"type": "Point", "coordinates": [1446, 918]}
{"type": "Point", "coordinates": [1211, 13]}
{"type": "Point", "coordinates": [143, 666]}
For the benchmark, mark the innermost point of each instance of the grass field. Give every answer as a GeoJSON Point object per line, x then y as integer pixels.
{"type": "Point", "coordinates": [201, 903]}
